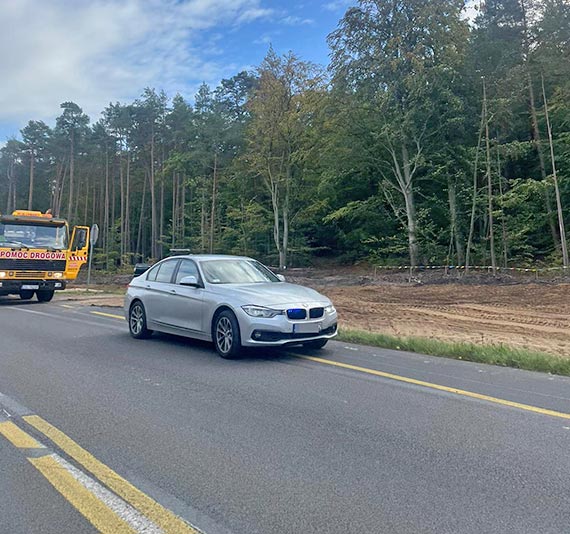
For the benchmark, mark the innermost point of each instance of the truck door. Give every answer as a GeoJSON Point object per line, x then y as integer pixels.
{"type": "Point", "coordinates": [77, 254]}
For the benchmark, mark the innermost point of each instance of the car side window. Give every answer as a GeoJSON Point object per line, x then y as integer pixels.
{"type": "Point", "coordinates": [187, 268]}
{"type": "Point", "coordinates": [151, 274]}
{"type": "Point", "coordinates": [165, 272]}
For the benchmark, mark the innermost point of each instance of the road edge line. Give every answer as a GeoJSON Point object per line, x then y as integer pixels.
{"type": "Point", "coordinates": [447, 389]}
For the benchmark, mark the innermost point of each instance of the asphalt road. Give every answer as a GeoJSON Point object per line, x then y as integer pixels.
{"type": "Point", "coordinates": [367, 441]}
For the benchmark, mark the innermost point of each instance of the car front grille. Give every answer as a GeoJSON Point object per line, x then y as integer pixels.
{"type": "Point", "coordinates": [299, 314]}
{"type": "Point", "coordinates": [316, 313]}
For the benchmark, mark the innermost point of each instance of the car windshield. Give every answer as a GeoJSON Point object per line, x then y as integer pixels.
{"type": "Point", "coordinates": [236, 272]}
{"type": "Point", "coordinates": [33, 236]}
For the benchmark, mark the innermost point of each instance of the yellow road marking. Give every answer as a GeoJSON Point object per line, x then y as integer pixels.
{"type": "Point", "coordinates": [18, 437]}
{"type": "Point", "coordinates": [67, 306]}
{"type": "Point", "coordinates": [165, 519]}
{"type": "Point", "coordinates": [101, 517]}
{"type": "Point", "coordinates": [103, 314]}
{"type": "Point", "coordinates": [471, 394]}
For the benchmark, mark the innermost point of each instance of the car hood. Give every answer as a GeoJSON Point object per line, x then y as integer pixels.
{"type": "Point", "coordinates": [270, 294]}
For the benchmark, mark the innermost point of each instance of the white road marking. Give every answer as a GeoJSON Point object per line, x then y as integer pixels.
{"type": "Point", "coordinates": [125, 511]}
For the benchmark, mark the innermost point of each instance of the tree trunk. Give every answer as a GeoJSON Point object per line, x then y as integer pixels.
{"type": "Point", "coordinates": [537, 146]}
{"type": "Point", "coordinates": [154, 219]}
{"type": "Point", "coordinates": [213, 210]}
{"type": "Point", "coordinates": [285, 216]}
{"type": "Point", "coordinates": [475, 191]}
{"type": "Point", "coordinates": [106, 209]}
{"type": "Point", "coordinates": [174, 210]}
{"type": "Point", "coordinates": [183, 210]}
{"type": "Point", "coordinates": [203, 219]}
{"type": "Point", "coordinates": [556, 188]}
{"type": "Point", "coordinates": [489, 184]}
{"type": "Point", "coordinates": [122, 202]}
{"type": "Point", "coordinates": [161, 228]}
{"type": "Point", "coordinates": [31, 191]}
{"type": "Point", "coordinates": [128, 244]}
{"type": "Point", "coordinates": [408, 193]}
{"type": "Point", "coordinates": [503, 222]}
{"type": "Point", "coordinates": [141, 219]}
{"type": "Point", "coordinates": [71, 174]}
{"type": "Point", "coordinates": [455, 232]}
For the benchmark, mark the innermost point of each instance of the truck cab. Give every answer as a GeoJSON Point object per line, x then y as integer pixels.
{"type": "Point", "coordinates": [37, 255]}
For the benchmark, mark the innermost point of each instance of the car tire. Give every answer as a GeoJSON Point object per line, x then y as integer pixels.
{"type": "Point", "coordinates": [26, 294]}
{"type": "Point", "coordinates": [137, 321]}
{"type": "Point", "coordinates": [226, 335]}
{"type": "Point", "coordinates": [45, 295]}
{"type": "Point", "coordinates": [316, 345]}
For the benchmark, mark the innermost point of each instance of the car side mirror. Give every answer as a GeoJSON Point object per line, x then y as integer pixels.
{"type": "Point", "coordinates": [281, 278]}
{"type": "Point", "coordinates": [190, 281]}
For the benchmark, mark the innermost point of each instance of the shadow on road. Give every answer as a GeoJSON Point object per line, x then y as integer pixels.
{"type": "Point", "coordinates": [17, 301]}
{"type": "Point", "coordinates": [249, 354]}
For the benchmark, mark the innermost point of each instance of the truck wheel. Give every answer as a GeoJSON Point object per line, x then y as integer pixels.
{"type": "Point", "coordinates": [45, 295]}
{"type": "Point", "coordinates": [26, 294]}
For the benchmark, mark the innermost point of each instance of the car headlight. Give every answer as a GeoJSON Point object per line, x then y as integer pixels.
{"type": "Point", "coordinates": [260, 311]}
{"type": "Point", "coordinates": [3, 274]}
{"type": "Point", "coordinates": [330, 309]}
{"type": "Point", "coordinates": [58, 275]}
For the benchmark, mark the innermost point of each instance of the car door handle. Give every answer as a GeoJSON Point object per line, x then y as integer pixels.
{"type": "Point", "coordinates": [173, 291]}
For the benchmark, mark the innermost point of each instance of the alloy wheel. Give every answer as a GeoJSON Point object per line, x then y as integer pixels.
{"type": "Point", "coordinates": [224, 335]}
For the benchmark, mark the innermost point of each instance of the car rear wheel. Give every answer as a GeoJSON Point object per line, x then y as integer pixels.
{"type": "Point", "coordinates": [227, 339]}
{"type": "Point", "coordinates": [45, 295]}
{"type": "Point", "coordinates": [26, 294]}
{"type": "Point", "coordinates": [137, 322]}
{"type": "Point", "coordinates": [317, 344]}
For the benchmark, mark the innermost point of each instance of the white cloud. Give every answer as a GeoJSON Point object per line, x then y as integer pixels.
{"type": "Point", "coordinates": [338, 5]}
{"type": "Point", "coordinates": [291, 20]}
{"type": "Point", "coordinates": [94, 52]}
{"type": "Point", "coordinates": [265, 39]}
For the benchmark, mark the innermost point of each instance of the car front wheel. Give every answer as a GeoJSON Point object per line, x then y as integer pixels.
{"type": "Point", "coordinates": [137, 322]}
{"type": "Point", "coordinates": [227, 339]}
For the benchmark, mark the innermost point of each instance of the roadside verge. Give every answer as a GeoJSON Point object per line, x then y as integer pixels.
{"type": "Point", "coordinates": [500, 355]}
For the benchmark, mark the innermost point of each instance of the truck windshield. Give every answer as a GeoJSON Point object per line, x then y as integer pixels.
{"type": "Point", "coordinates": [33, 236]}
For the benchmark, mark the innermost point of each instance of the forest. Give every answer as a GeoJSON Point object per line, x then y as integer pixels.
{"type": "Point", "coordinates": [429, 138]}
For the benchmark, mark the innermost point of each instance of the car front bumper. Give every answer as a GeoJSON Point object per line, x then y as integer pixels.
{"type": "Point", "coordinates": [280, 330]}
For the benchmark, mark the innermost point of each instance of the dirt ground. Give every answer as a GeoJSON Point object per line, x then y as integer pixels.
{"type": "Point", "coordinates": [531, 316]}
{"type": "Point", "coordinates": [519, 312]}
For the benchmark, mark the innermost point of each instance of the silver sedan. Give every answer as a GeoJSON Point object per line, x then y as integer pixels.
{"type": "Point", "coordinates": [232, 301]}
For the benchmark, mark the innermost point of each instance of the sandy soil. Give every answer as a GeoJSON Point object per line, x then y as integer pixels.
{"type": "Point", "coordinates": [511, 311]}
{"type": "Point", "coordinates": [533, 316]}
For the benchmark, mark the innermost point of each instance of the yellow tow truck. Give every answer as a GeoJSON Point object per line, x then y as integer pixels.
{"type": "Point", "coordinates": [37, 257]}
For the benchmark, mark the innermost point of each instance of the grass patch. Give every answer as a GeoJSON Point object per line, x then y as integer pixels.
{"type": "Point", "coordinates": [492, 354]}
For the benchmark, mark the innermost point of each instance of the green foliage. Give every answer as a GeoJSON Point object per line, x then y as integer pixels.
{"type": "Point", "coordinates": [374, 159]}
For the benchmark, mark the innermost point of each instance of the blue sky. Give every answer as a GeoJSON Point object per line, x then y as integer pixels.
{"type": "Point", "coordinates": [100, 51]}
